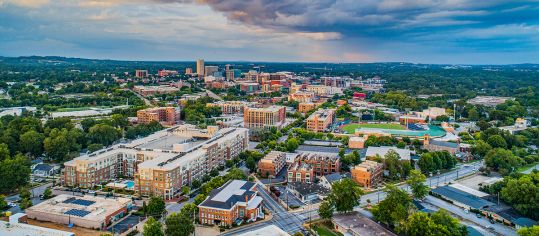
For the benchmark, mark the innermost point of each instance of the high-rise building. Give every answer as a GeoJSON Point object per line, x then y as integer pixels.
{"type": "Point", "coordinates": [188, 70]}
{"type": "Point", "coordinates": [273, 116]}
{"type": "Point", "coordinates": [200, 67]}
{"type": "Point", "coordinates": [141, 73]}
{"type": "Point", "coordinates": [210, 70]}
{"type": "Point", "coordinates": [229, 72]}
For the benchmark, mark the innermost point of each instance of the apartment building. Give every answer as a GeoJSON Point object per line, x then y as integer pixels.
{"type": "Point", "coordinates": [273, 116]}
{"type": "Point", "coordinates": [321, 120]}
{"type": "Point", "coordinates": [141, 73]}
{"type": "Point", "coordinates": [300, 172]}
{"type": "Point", "coordinates": [323, 90]}
{"type": "Point", "coordinates": [165, 115]}
{"type": "Point", "coordinates": [236, 199]}
{"type": "Point", "coordinates": [155, 90]}
{"type": "Point", "coordinates": [302, 96]}
{"type": "Point", "coordinates": [231, 107]}
{"type": "Point", "coordinates": [322, 163]}
{"type": "Point", "coordinates": [272, 164]}
{"type": "Point", "coordinates": [162, 163]}
{"type": "Point", "coordinates": [305, 107]}
{"type": "Point", "coordinates": [368, 174]}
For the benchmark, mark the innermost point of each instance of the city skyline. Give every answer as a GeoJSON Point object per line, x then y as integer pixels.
{"type": "Point", "coordinates": [341, 31]}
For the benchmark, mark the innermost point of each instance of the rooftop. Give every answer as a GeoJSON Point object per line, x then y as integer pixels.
{"type": "Point", "coordinates": [382, 151]}
{"type": "Point", "coordinates": [462, 197]}
{"type": "Point", "coordinates": [85, 207]}
{"type": "Point", "coordinates": [228, 195]}
{"type": "Point", "coordinates": [359, 225]}
{"type": "Point", "coordinates": [20, 229]}
{"type": "Point", "coordinates": [308, 189]}
{"type": "Point", "coordinates": [270, 230]}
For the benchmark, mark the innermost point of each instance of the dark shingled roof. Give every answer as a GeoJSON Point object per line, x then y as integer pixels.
{"type": "Point", "coordinates": [211, 201]}
{"type": "Point", "coordinates": [462, 197]}
{"type": "Point", "coordinates": [333, 177]}
{"type": "Point", "coordinates": [444, 144]}
{"type": "Point", "coordinates": [525, 222]}
{"type": "Point", "coordinates": [43, 167]}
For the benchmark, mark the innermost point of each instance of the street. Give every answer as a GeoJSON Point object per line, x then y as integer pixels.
{"type": "Point", "coordinates": [462, 170]}
{"type": "Point", "coordinates": [36, 192]}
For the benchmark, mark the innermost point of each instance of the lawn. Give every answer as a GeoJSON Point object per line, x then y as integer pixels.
{"type": "Point", "coordinates": [324, 231]}
{"type": "Point", "coordinates": [69, 109]}
{"type": "Point", "coordinates": [351, 128]}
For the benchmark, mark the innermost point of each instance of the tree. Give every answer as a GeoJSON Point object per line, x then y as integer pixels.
{"type": "Point", "coordinates": [416, 182]}
{"type": "Point", "coordinates": [14, 172]}
{"type": "Point", "coordinates": [497, 141]}
{"type": "Point", "coordinates": [153, 227]}
{"type": "Point", "coordinates": [452, 225]}
{"type": "Point", "coordinates": [250, 163]}
{"type": "Point", "coordinates": [345, 195]}
{"type": "Point", "coordinates": [522, 194]}
{"type": "Point", "coordinates": [473, 114]}
{"type": "Point", "coordinates": [103, 134]}
{"type": "Point", "coordinates": [394, 165]}
{"type": "Point", "coordinates": [185, 190]}
{"type": "Point", "coordinates": [47, 193]}
{"type": "Point", "coordinates": [25, 203]}
{"type": "Point", "coordinates": [156, 207]}
{"type": "Point", "coordinates": [420, 224]}
{"type": "Point", "coordinates": [326, 210]}
{"type": "Point", "coordinates": [481, 148]}
{"type": "Point", "coordinates": [32, 142]}
{"type": "Point", "coordinates": [292, 144]}
{"type": "Point", "coordinates": [95, 147]}
{"type": "Point", "coordinates": [195, 184]}
{"type": "Point", "coordinates": [3, 202]}
{"type": "Point", "coordinates": [502, 160]}
{"type": "Point", "coordinates": [57, 147]}
{"type": "Point", "coordinates": [395, 208]}
{"type": "Point", "coordinates": [529, 231]}
{"type": "Point", "coordinates": [179, 225]}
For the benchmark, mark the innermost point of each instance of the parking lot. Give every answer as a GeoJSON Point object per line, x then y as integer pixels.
{"type": "Point", "coordinates": [125, 224]}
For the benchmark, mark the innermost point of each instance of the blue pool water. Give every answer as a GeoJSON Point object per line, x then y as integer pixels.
{"type": "Point", "coordinates": [130, 183]}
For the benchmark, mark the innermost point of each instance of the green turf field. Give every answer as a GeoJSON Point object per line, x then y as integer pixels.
{"type": "Point", "coordinates": [351, 128]}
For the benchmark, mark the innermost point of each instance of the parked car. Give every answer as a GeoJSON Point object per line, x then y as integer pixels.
{"type": "Point", "coordinates": [12, 204]}
{"type": "Point", "coordinates": [478, 215]}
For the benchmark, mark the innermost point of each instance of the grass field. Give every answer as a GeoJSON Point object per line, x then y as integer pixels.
{"type": "Point", "coordinates": [351, 128]}
{"type": "Point", "coordinates": [324, 231]}
{"type": "Point", "coordinates": [78, 108]}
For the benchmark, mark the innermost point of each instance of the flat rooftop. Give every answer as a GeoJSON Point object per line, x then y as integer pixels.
{"type": "Point", "coordinates": [85, 207]}
{"type": "Point", "coordinates": [357, 224]}
{"type": "Point", "coordinates": [20, 229]}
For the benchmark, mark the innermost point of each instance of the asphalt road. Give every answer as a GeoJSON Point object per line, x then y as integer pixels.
{"type": "Point", "coordinates": [39, 190]}
{"type": "Point", "coordinates": [461, 170]}
{"type": "Point", "coordinates": [289, 222]}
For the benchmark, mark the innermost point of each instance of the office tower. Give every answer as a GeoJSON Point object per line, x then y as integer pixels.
{"type": "Point", "coordinates": [200, 67]}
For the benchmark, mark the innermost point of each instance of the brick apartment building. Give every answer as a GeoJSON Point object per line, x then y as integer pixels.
{"type": "Point", "coordinates": [272, 164]}
{"type": "Point", "coordinates": [165, 115]}
{"type": "Point", "coordinates": [236, 199]}
{"type": "Point", "coordinates": [305, 107]}
{"type": "Point", "coordinates": [368, 174]}
{"type": "Point", "coordinates": [302, 96]}
{"type": "Point", "coordinates": [321, 120]}
{"type": "Point", "coordinates": [273, 116]}
{"type": "Point", "coordinates": [300, 172]}
{"type": "Point", "coordinates": [231, 107]}
{"type": "Point", "coordinates": [322, 163]}
{"type": "Point", "coordinates": [162, 163]}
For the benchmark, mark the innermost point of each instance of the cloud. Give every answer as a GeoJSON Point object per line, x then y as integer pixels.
{"type": "Point", "coordinates": [25, 3]}
{"type": "Point", "coordinates": [289, 30]}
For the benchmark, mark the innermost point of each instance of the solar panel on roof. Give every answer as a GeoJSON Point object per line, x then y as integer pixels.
{"type": "Point", "coordinates": [77, 212]}
{"type": "Point", "coordinates": [81, 202]}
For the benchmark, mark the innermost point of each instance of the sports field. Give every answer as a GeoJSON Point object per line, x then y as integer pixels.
{"type": "Point", "coordinates": [351, 128]}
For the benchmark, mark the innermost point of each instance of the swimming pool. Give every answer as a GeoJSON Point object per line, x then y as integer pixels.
{"type": "Point", "coordinates": [129, 184]}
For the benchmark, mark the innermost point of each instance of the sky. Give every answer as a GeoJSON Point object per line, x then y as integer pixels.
{"type": "Point", "coordinates": [421, 31]}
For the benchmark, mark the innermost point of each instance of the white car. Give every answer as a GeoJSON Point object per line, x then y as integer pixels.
{"type": "Point", "coordinates": [12, 204]}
